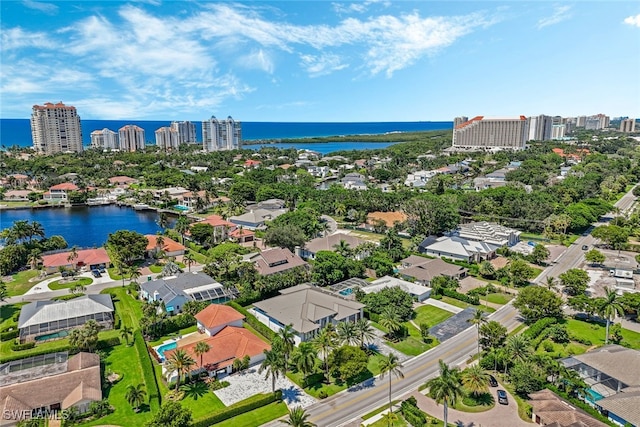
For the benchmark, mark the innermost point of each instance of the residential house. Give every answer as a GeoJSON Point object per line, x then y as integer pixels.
{"type": "Point", "coordinates": [221, 227]}
{"type": "Point", "coordinates": [56, 384]}
{"type": "Point", "coordinates": [122, 181]}
{"type": "Point", "coordinates": [417, 291]}
{"type": "Point", "coordinates": [307, 309]}
{"type": "Point", "coordinates": [175, 291]}
{"type": "Point", "coordinates": [92, 258]}
{"type": "Point", "coordinates": [458, 248]}
{"type": "Point", "coordinates": [169, 246]}
{"type": "Point", "coordinates": [548, 409]}
{"type": "Point", "coordinates": [46, 320]}
{"type": "Point", "coordinates": [489, 232]}
{"type": "Point", "coordinates": [612, 373]}
{"type": "Point", "coordinates": [422, 270]}
{"type": "Point", "coordinates": [214, 317]}
{"type": "Point", "coordinates": [251, 164]}
{"type": "Point", "coordinates": [318, 171]}
{"type": "Point", "coordinates": [240, 235]}
{"type": "Point", "coordinates": [256, 219]}
{"type": "Point", "coordinates": [17, 195]}
{"type": "Point", "coordinates": [60, 192]}
{"type": "Point", "coordinates": [330, 243]}
{"type": "Point", "coordinates": [190, 199]}
{"type": "Point", "coordinates": [419, 179]}
{"type": "Point", "coordinates": [173, 193]}
{"type": "Point", "coordinates": [354, 181]}
{"type": "Point", "coordinates": [275, 260]}
{"type": "Point", "coordinates": [269, 204]}
{"type": "Point", "coordinates": [15, 180]}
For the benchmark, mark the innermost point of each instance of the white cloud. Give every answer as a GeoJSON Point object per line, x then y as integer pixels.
{"type": "Point", "coordinates": [321, 65]}
{"type": "Point", "coordinates": [560, 13]}
{"type": "Point", "coordinates": [633, 20]}
{"type": "Point", "coordinates": [17, 38]}
{"type": "Point", "coordinates": [48, 8]}
{"type": "Point", "coordinates": [259, 60]}
{"type": "Point", "coordinates": [357, 6]}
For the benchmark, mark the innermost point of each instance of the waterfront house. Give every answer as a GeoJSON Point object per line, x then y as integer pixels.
{"type": "Point", "coordinates": [169, 246]}
{"type": "Point", "coordinates": [92, 258]}
{"type": "Point", "coordinates": [60, 192]}
{"type": "Point", "coordinates": [122, 181]}
{"type": "Point", "coordinates": [276, 260]}
{"type": "Point", "coordinates": [307, 309]}
{"type": "Point", "coordinates": [49, 383]}
{"type": "Point", "coordinates": [45, 320]}
{"type": "Point", "coordinates": [256, 219]}
{"type": "Point", "coordinates": [17, 195]}
{"type": "Point", "coordinates": [221, 227]}
{"type": "Point", "coordinates": [329, 243]}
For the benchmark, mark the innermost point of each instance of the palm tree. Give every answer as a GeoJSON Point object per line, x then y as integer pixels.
{"type": "Point", "coordinates": [135, 395]}
{"type": "Point", "coordinates": [181, 363]}
{"type": "Point", "coordinates": [159, 242]}
{"type": "Point", "coordinates": [297, 418]}
{"type": "Point", "coordinates": [390, 365]}
{"type": "Point", "coordinates": [347, 333]}
{"type": "Point", "coordinates": [324, 343]}
{"type": "Point", "coordinates": [134, 273]}
{"type": "Point", "coordinates": [200, 349]}
{"type": "Point", "coordinates": [126, 332]}
{"type": "Point", "coordinates": [35, 229]}
{"type": "Point", "coordinates": [73, 255]}
{"type": "Point", "coordinates": [304, 358]}
{"type": "Point", "coordinates": [182, 226]}
{"type": "Point", "coordinates": [189, 259]}
{"type": "Point", "coordinates": [364, 331]}
{"type": "Point", "coordinates": [343, 248]}
{"type": "Point", "coordinates": [287, 335]}
{"type": "Point", "coordinates": [609, 308]}
{"type": "Point", "coordinates": [272, 365]}
{"type": "Point", "coordinates": [446, 388]}
{"type": "Point", "coordinates": [478, 319]}
{"type": "Point", "coordinates": [517, 348]}
{"type": "Point", "coordinates": [551, 283]}
{"type": "Point", "coordinates": [475, 379]}
{"type": "Point", "coordinates": [486, 269]}
{"type": "Point", "coordinates": [390, 320]}
{"type": "Point", "coordinates": [35, 258]}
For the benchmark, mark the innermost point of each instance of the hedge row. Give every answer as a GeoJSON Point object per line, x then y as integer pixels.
{"type": "Point", "coordinates": [412, 414]}
{"type": "Point", "coordinates": [25, 346]}
{"type": "Point", "coordinates": [538, 327]}
{"type": "Point", "coordinates": [175, 323]}
{"type": "Point", "coordinates": [147, 371]}
{"type": "Point", "coordinates": [236, 409]}
{"type": "Point", "coordinates": [37, 352]}
{"type": "Point", "coordinates": [253, 321]}
{"type": "Point", "coordinates": [9, 335]}
{"type": "Point", "coordinates": [109, 342]}
{"type": "Point", "coordinates": [374, 317]}
{"type": "Point", "coordinates": [469, 299]}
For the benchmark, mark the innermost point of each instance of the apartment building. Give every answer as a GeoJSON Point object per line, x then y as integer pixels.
{"type": "Point", "coordinates": [628, 125]}
{"type": "Point", "coordinates": [492, 132]}
{"type": "Point", "coordinates": [55, 128]}
{"type": "Point", "coordinates": [131, 138]}
{"type": "Point", "coordinates": [539, 128]}
{"type": "Point", "coordinates": [186, 132]}
{"type": "Point", "coordinates": [167, 138]}
{"type": "Point", "coordinates": [221, 135]}
{"type": "Point", "coordinates": [104, 139]}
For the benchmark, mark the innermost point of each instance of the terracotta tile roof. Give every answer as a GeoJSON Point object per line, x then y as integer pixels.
{"type": "Point", "coordinates": [552, 409]}
{"type": "Point", "coordinates": [169, 245]}
{"type": "Point", "coordinates": [241, 233]}
{"type": "Point", "coordinates": [217, 315]}
{"type": "Point", "coordinates": [389, 218]}
{"type": "Point", "coordinates": [64, 186]}
{"type": "Point", "coordinates": [225, 346]}
{"type": "Point", "coordinates": [216, 221]}
{"type": "Point", "coordinates": [122, 179]}
{"type": "Point", "coordinates": [251, 162]}
{"type": "Point", "coordinates": [85, 257]}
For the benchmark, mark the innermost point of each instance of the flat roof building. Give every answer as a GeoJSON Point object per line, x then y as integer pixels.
{"type": "Point", "coordinates": [221, 135]}
{"type": "Point", "coordinates": [55, 128]}
{"type": "Point", "coordinates": [492, 132]}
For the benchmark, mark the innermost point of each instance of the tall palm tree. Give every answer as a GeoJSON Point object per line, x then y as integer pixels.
{"type": "Point", "coordinates": [475, 379]}
{"type": "Point", "coordinates": [343, 248]}
{"type": "Point", "coordinates": [126, 332]}
{"type": "Point", "coordinates": [609, 308]}
{"type": "Point", "coordinates": [35, 229]}
{"type": "Point", "coordinates": [135, 395]}
{"type": "Point", "coordinates": [446, 388]}
{"type": "Point", "coordinates": [134, 273]}
{"type": "Point", "coordinates": [159, 242]}
{"type": "Point", "coordinates": [478, 319]}
{"type": "Point", "coordinates": [551, 283]}
{"type": "Point", "coordinates": [347, 333]}
{"type": "Point", "coordinates": [390, 320]}
{"type": "Point", "coordinates": [304, 358]}
{"type": "Point", "coordinates": [297, 418]}
{"type": "Point", "coordinates": [364, 331]}
{"type": "Point", "coordinates": [200, 349]}
{"type": "Point", "coordinates": [73, 255]}
{"type": "Point", "coordinates": [390, 366]}
{"type": "Point", "coordinates": [182, 226]}
{"type": "Point", "coordinates": [287, 335]}
{"type": "Point", "coordinates": [35, 258]}
{"type": "Point", "coordinates": [181, 363]}
{"type": "Point", "coordinates": [189, 259]}
{"type": "Point", "coordinates": [324, 343]}
{"type": "Point", "coordinates": [517, 348]}
{"type": "Point", "coordinates": [272, 365]}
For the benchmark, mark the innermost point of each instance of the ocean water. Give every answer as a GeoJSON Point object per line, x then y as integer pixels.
{"type": "Point", "coordinates": [18, 131]}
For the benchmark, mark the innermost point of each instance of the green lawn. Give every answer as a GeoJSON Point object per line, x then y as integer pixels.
{"type": "Point", "coordinates": [127, 308]}
{"type": "Point", "coordinates": [20, 283]}
{"type": "Point", "coordinates": [182, 332]}
{"type": "Point", "coordinates": [6, 314]}
{"type": "Point", "coordinates": [200, 399]}
{"type": "Point", "coordinates": [519, 329]}
{"type": "Point", "coordinates": [497, 298]}
{"type": "Point", "coordinates": [473, 404]}
{"type": "Point", "coordinates": [257, 417]}
{"type": "Point", "coordinates": [63, 284]}
{"type": "Point", "coordinates": [595, 332]}
{"type": "Point", "coordinates": [431, 315]}
{"type": "Point", "coordinates": [561, 350]}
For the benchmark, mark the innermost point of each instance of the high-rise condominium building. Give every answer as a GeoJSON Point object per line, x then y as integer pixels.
{"type": "Point", "coordinates": [104, 139]}
{"type": "Point", "coordinates": [220, 135]}
{"type": "Point", "coordinates": [539, 128]}
{"type": "Point", "coordinates": [186, 132]}
{"type": "Point", "coordinates": [495, 132]}
{"type": "Point", "coordinates": [167, 138]}
{"type": "Point", "coordinates": [131, 138]}
{"type": "Point", "coordinates": [628, 125]}
{"type": "Point", "coordinates": [558, 128]}
{"type": "Point", "coordinates": [581, 121]}
{"type": "Point", "coordinates": [599, 121]}
{"type": "Point", "coordinates": [55, 128]}
{"type": "Point", "coordinates": [459, 120]}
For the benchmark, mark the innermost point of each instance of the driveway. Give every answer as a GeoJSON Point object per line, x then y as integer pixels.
{"type": "Point", "coordinates": [498, 416]}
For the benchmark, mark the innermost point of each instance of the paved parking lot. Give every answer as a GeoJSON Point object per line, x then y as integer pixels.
{"type": "Point", "coordinates": [453, 325]}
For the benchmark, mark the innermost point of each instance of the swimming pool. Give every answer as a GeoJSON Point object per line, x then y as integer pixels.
{"type": "Point", "coordinates": [51, 336]}
{"type": "Point", "coordinates": [166, 347]}
{"type": "Point", "coordinates": [346, 292]}
{"type": "Point", "coordinates": [593, 396]}
{"type": "Point", "coordinates": [181, 207]}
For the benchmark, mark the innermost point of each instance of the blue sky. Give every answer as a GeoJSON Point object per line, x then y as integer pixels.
{"type": "Point", "coordinates": [320, 60]}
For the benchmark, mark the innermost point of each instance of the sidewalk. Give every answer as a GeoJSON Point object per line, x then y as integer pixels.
{"type": "Point", "coordinates": [443, 305]}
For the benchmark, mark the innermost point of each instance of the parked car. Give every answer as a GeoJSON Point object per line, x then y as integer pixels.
{"type": "Point", "coordinates": [585, 247]}
{"type": "Point", "coordinates": [492, 381]}
{"type": "Point", "coordinates": [96, 273]}
{"type": "Point", "coordinates": [502, 397]}
{"type": "Point", "coordinates": [101, 269]}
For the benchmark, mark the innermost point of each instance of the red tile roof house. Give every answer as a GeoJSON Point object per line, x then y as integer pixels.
{"type": "Point", "coordinates": [241, 235]}
{"type": "Point", "coordinates": [227, 340]}
{"type": "Point", "coordinates": [221, 227]}
{"type": "Point", "coordinates": [122, 181]}
{"type": "Point", "coordinates": [60, 192]}
{"type": "Point", "coordinates": [86, 257]}
{"type": "Point", "coordinates": [169, 246]}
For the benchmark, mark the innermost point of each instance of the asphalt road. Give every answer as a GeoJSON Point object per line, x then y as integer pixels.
{"type": "Point", "coordinates": [348, 405]}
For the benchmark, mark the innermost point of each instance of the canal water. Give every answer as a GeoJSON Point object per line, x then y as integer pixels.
{"type": "Point", "coordinates": [85, 226]}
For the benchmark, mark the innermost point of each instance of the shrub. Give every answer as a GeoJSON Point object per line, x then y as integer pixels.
{"type": "Point", "coordinates": [147, 371]}
{"type": "Point", "coordinates": [236, 409]}
{"type": "Point", "coordinates": [548, 346]}
{"type": "Point", "coordinates": [322, 394]}
{"type": "Point", "coordinates": [9, 335]}
{"type": "Point", "coordinates": [412, 414]}
{"type": "Point", "coordinates": [25, 346]}
{"type": "Point", "coordinates": [38, 352]}
{"type": "Point", "coordinates": [372, 316]}
{"type": "Point", "coordinates": [100, 408]}
{"type": "Point", "coordinates": [253, 321]}
{"type": "Point", "coordinates": [558, 334]}
{"type": "Point", "coordinates": [469, 299]}
{"type": "Point", "coordinates": [539, 326]}
{"type": "Point", "coordinates": [175, 323]}
{"type": "Point", "coordinates": [109, 342]}
{"type": "Point", "coordinates": [217, 385]}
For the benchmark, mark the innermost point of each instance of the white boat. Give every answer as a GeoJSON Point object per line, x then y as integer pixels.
{"type": "Point", "coordinates": [141, 207]}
